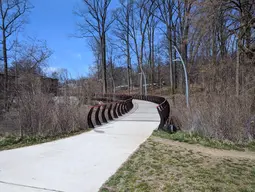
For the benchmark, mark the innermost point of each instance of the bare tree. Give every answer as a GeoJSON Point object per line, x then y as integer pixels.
{"type": "Point", "coordinates": [95, 24]}
{"type": "Point", "coordinates": [31, 57]}
{"type": "Point", "coordinates": [139, 24]}
{"type": "Point", "coordinates": [243, 25]}
{"type": "Point", "coordinates": [95, 47]}
{"type": "Point", "coordinates": [152, 25]}
{"type": "Point", "coordinates": [183, 24]}
{"type": "Point", "coordinates": [12, 14]}
{"type": "Point", "coordinates": [166, 16]}
{"type": "Point", "coordinates": [111, 67]}
{"type": "Point", "coordinates": [122, 32]}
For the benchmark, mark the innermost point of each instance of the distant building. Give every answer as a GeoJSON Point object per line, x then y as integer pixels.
{"type": "Point", "coordinates": [47, 85]}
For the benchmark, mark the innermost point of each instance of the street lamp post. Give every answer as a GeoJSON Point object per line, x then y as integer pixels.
{"type": "Point", "coordinates": [186, 75]}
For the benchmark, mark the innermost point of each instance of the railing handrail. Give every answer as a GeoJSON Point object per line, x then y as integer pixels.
{"type": "Point", "coordinates": [163, 107]}
{"type": "Point", "coordinates": [121, 104]}
{"type": "Point", "coordinates": [117, 108]}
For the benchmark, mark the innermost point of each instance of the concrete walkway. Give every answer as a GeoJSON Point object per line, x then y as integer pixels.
{"type": "Point", "coordinates": [81, 163]}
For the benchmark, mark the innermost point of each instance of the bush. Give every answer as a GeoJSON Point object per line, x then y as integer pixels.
{"type": "Point", "coordinates": [40, 115]}
{"type": "Point", "coordinates": [34, 112]}
{"type": "Point", "coordinates": [220, 116]}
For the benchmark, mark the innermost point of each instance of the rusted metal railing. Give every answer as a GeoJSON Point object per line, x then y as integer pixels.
{"type": "Point", "coordinates": [118, 106]}
{"type": "Point", "coordinates": [121, 104]}
{"type": "Point", "coordinates": [163, 107]}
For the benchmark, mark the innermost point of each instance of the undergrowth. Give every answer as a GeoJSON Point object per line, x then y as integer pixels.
{"type": "Point", "coordinates": [11, 141]}
{"type": "Point", "coordinates": [194, 138]}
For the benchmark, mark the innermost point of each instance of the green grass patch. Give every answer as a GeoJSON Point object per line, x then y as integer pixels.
{"type": "Point", "coordinates": [193, 138]}
{"type": "Point", "coordinates": [12, 142]}
{"type": "Point", "coordinates": [159, 167]}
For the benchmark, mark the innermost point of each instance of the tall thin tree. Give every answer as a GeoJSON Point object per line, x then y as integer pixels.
{"type": "Point", "coordinates": [95, 23]}
{"type": "Point", "coordinates": [12, 18]}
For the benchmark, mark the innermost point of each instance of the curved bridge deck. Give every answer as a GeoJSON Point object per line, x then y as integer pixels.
{"type": "Point", "coordinates": [81, 163]}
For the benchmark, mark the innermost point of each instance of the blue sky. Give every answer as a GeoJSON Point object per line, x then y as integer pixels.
{"type": "Point", "coordinates": [54, 21]}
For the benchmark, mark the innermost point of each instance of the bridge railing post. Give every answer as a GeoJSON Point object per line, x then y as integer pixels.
{"type": "Point", "coordinates": [89, 118]}
{"type": "Point", "coordinates": [103, 114]}
{"type": "Point", "coordinates": [97, 116]}
{"type": "Point", "coordinates": [115, 111]}
{"type": "Point", "coordinates": [109, 112]}
{"type": "Point", "coordinates": [123, 107]}
{"type": "Point", "coordinates": [126, 106]}
{"type": "Point", "coordinates": [163, 107]}
{"type": "Point", "coordinates": [161, 124]}
{"type": "Point", "coordinates": [123, 104]}
{"type": "Point", "coordinates": [119, 109]}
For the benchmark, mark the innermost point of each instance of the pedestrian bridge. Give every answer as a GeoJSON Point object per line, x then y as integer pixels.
{"type": "Point", "coordinates": [84, 162]}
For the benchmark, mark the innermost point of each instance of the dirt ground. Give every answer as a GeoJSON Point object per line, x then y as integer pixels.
{"type": "Point", "coordinates": [205, 150]}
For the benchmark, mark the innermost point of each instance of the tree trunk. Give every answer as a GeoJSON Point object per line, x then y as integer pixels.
{"type": "Point", "coordinates": [128, 50]}
{"type": "Point", "coordinates": [150, 52]}
{"type": "Point", "coordinates": [185, 25]}
{"type": "Point", "coordinates": [141, 82]}
{"type": "Point", "coordinates": [159, 68]}
{"type": "Point", "coordinates": [5, 71]}
{"type": "Point", "coordinates": [128, 67]}
{"type": "Point", "coordinates": [141, 66]}
{"type": "Point", "coordinates": [170, 50]}
{"type": "Point", "coordinates": [237, 67]}
{"type": "Point", "coordinates": [175, 67]}
{"type": "Point", "coordinates": [99, 65]}
{"type": "Point", "coordinates": [184, 55]}
{"type": "Point", "coordinates": [152, 57]}
{"type": "Point", "coordinates": [104, 64]}
{"type": "Point", "coordinates": [214, 56]}
{"type": "Point", "coordinates": [151, 33]}
{"type": "Point", "coordinates": [112, 78]}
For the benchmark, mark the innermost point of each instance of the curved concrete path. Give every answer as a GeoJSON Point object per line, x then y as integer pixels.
{"type": "Point", "coordinates": [81, 163]}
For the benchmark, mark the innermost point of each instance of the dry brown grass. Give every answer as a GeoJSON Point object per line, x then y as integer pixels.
{"type": "Point", "coordinates": [41, 115]}
{"type": "Point", "coordinates": [220, 116]}
{"type": "Point", "coordinates": [158, 165]}
{"type": "Point", "coordinates": [36, 113]}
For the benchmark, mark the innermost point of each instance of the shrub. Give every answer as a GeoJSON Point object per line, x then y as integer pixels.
{"type": "Point", "coordinates": [220, 116]}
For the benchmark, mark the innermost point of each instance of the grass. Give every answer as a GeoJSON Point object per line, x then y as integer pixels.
{"type": "Point", "coordinates": [12, 142]}
{"type": "Point", "coordinates": [207, 142]}
{"type": "Point", "coordinates": [157, 166]}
